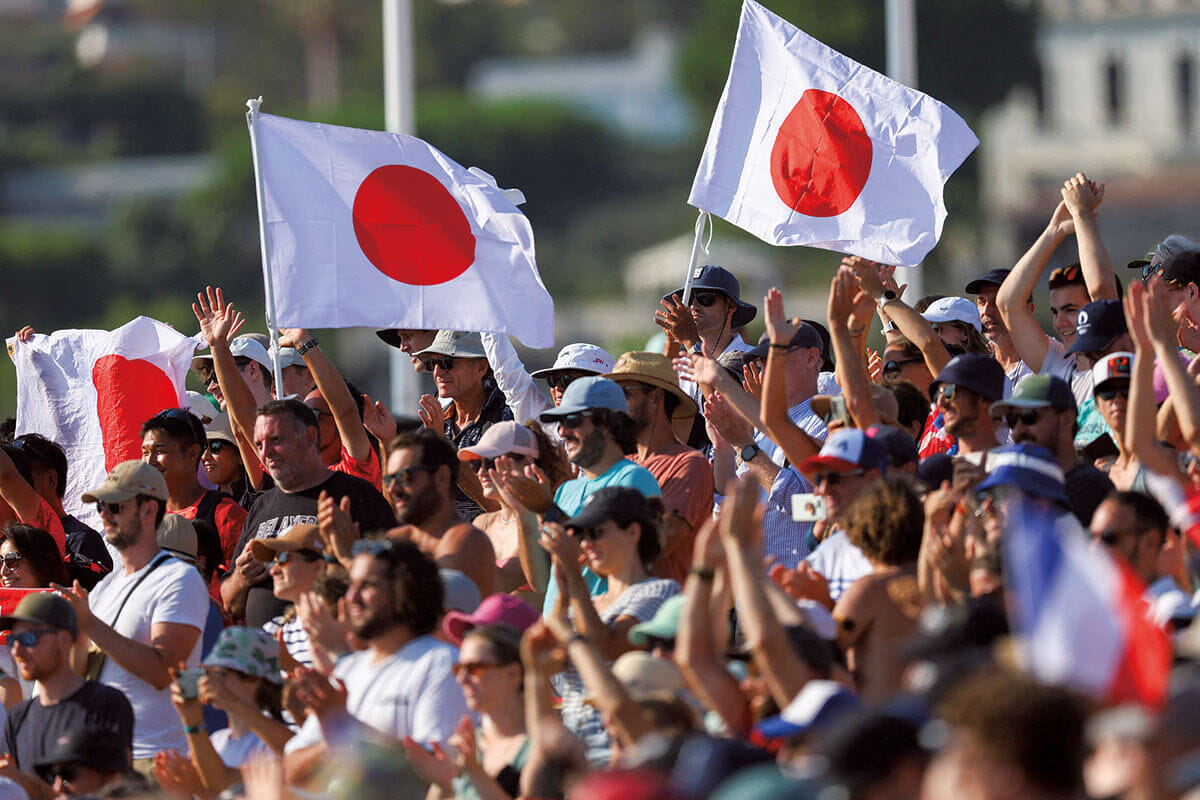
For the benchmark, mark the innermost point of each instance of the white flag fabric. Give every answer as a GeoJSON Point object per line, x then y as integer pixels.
{"type": "Point", "coordinates": [90, 391]}
{"type": "Point", "coordinates": [365, 228]}
{"type": "Point", "coordinates": [809, 147]}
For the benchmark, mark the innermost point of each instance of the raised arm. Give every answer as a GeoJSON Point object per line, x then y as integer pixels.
{"type": "Point", "coordinates": [875, 281]}
{"type": "Point", "coordinates": [17, 491]}
{"type": "Point", "coordinates": [333, 388]}
{"type": "Point", "coordinates": [797, 444]}
{"type": "Point", "coordinates": [1012, 299]}
{"type": "Point", "coordinates": [1082, 197]}
{"type": "Point", "coordinates": [520, 391]}
{"type": "Point", "coordinates": [1185, 397]}
{"type": "Point", "coordinates": [844, 296]}
{"type": "Point", "coordinates": [1140, 428]}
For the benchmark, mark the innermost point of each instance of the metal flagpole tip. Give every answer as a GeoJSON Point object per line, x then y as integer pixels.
{"type": "Point", "coordinates": [253, 103]}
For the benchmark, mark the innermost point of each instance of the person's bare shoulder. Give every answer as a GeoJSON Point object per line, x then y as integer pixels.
{"type": "Point", "coordinates": [466, 537]}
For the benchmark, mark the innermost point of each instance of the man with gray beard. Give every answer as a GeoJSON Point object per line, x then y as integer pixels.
{"type": "Point", "coordinates": [597, 432]}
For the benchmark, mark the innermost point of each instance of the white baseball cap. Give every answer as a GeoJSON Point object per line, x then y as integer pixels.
{"type": "Point", "coordinates": [243, 347]}
{"type": "Point", "coordinates": [580, 356]}
{"type": "Point", "coordinates": [954, 309]}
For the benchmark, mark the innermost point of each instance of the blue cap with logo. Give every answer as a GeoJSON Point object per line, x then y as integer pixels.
{"type": "Point", "coordinates": [1098, 324]}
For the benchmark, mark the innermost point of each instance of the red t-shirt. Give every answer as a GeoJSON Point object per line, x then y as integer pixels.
{"type": "Point", "coordinates": [370, 470]}
{"type": "Point", "coordinates": [48, 521]}
{"type": "Point", "coordinates": [230, 517]}
{"type": "Point", "coordinates": [686, 479]}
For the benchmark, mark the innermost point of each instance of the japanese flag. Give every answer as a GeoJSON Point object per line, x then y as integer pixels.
{"type": "Point", "coordinates": [90, 391]}
{"type": "Point", "coordinates": [811, 148]}
{"type": "Point", "coordinates": [364, 228]}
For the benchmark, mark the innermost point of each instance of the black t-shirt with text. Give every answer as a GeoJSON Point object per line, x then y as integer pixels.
{"type": "Point", "coordinates": [33, 730]}
{"type": "Point", "coordinates": [275, 511]}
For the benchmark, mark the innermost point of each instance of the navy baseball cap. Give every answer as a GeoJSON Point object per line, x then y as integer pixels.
{"type": "Point", "coordinates": [901, 447]}
{"type": "Point", "coordinates": [992, 276]}
{"type": "Point", "coordinates": [1030, 468]}
{"type": "Point", "coordinates": [805, 336]}
{"type": "Point", "coordinates": [587, 393]}
{"type": "Point", "coordinates": [975, 372]}
{"type": "Point", "coordinates": [721, 280]}
{"type": "Point", "coordinates": [1098, 324]}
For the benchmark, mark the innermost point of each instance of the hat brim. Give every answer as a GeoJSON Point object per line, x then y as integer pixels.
{"type": "Point", "coordinates": [266, 549]}
{"type": "Point", "coordinates": [812, 463]}
{"type": "Point", "coordinates": [220, 436]}
{"type": "Point", "coordinates": [941, 318]}
{"type": "Point", "coordinates": [1000, 406]}
{"type": "Point", "coordinates": [9, 620]}
{"type": "Point", "coordinates": [479, 451]}
{"type": "Point", "coordinates": [558, 412]}
{"type": "Point", "coordinates": [108, 495]}
{"type": "Point", "coordinates": [389, 337]}
{"type": "Point", "coordinates": [1025, 480]}
{"type": "Point", "coordinates": [272, 675]}
{"type": "Point", "coordinates": [974, 286]}
{"type": "Point", "coordinates": [1090, 343]}
{"type": "Point", "coordinates": [641, 633]}
{"type": "Point", "coordinates": [1138, 263]}
{"type": "Point", "coordinates": [741, 317]}
{"type": "Point", "coordinates": [548, 371]}
{"type": "Point", "coordinates": [777, 727]}
{"type": "Point", "coordinates": [687, 406]}
{"type": "Point", "coordinates": [456, 625]}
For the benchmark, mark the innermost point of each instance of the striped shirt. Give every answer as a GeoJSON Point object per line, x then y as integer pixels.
{"type": "Point", "coordinates": [295, 638]}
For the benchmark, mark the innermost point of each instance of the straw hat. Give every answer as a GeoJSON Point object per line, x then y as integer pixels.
{"type": "Point", "coordinates": [654, 369]}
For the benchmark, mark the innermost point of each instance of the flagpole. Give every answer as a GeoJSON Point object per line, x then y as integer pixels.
{"type": "Point", "coordinates": [901, 32]}
{"type": "Point", "coordinates": [701, 221]}
{"type": "Point", "coordinates": [269, 286]}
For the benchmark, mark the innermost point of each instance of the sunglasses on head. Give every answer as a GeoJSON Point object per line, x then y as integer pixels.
{"type": "Point", "coordinates": [561, 380]}
{"type": "Point", "coordinates": [1110, 391]}
{"type": "Point", "coordinates": [29, 638]}
{"type": "Point", "coordinates": [704, 298]}
{"type": "Point", "coordinates": [572, 421]}
{"type": "Point", "coordinates": [284, 556]}
{"type": "Point", "coordinates": [1068, 274]}
{"type": "Point", "coordinates": [36, 448]}
{"type": "Point", "coordinates": [405, 476]}
{"type": "Point", "coordinates": [193, 423]}
{"type": "Point", "coordinates": [1028, 416]}
{"type": "Point", "coordinates": [11, 560]}
{"type": "Point", "coordinates": [490, 463]}
{"type": "Point", "coordinates": [834, 478]}
{"type": "Point", "coordinates": [445, 362]}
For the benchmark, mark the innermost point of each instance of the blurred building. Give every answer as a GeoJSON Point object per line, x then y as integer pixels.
{"type": "Point", "coordinates": [633, 92]}
{"type": "Point", "coordinates": [1118, 101]}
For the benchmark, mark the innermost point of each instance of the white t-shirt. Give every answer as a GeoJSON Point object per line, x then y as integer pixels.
{"type": "Point", "coordinates": [410, 693]}
{"type": "Point", "coordinates": [174, 592]}
{"type": "Point", "coordinates": [235, 752]}
{"type": "Point", "coordinates": [840, 562]}
{"type": "Point", "coordinates": [736, 345]}
{"type": "Point", "coordinates": [1058, 363]}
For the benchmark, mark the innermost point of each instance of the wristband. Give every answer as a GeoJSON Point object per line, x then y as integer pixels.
{"type": "Point", "coordinates": [308, 345]}
{"type": "Point", "coordinates": [192, 730]}
{"type": "Point", "coordinates": [703, 573]}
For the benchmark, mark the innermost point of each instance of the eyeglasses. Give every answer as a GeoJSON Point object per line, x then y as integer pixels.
{"type": "Point", "coordinates": [445, 362]}
{"type": "Point", "coordinates": [892, 367]}
{"type": "Point", "coordinates": [1029, 416]}
{"type": "Point", "coordinates": [215, 446]}
{"type": "Point", "coordinates": [1110, 392]}
{"type": "Point", "coordinates": [11, 560]}
{"type": "Point", "coordinates": [473, 668]}
{"type": "Point", "coordinates": [704, 298]}
{"type": "Point", "coordinates": [112, 508]}
{"type": "Point", "coordinates": [285, 556]}
{"type": "Point", "coordinates": [946, 393]}
{"type": "Point", "coordinates": [490, 463]}
{"type": "Point", "coordinates": [835, 478]}
{"type": "Point", "coordinates": [29, 638]}
{"type": "Point", "coordinates": [405, 476]}
{"type": "Point", "coordinates": [573, 421]}
{"type": "Point", "coordinates": [561, 380]}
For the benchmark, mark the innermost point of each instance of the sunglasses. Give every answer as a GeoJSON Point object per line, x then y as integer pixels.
{"type": "Point", "coordinates": [29, 638]}
{"type": "Point", "coordinates": [285, 556]}
{"type": "Point", "coordinates": [892, 367]}
{"type": "Point", "coordinates": [561, 380]}
{"type": "Point", "coordinates": [835, 478]}
{"type": "Point", "coordinates": [1070, 273]}
{"type": "Point", "coordinates": [193, 423]}
{"type": "Point", "coordinates": [11, 560]}
{"type": "Point", "coordinates": [216, 446]}
{"type": "Point", "coordinates": [473, 668]}
{"type": "Point", "coordinates": [405, 476]}
{"type": "Point", "coordinates": [445, 362]}
{"type": "Point", "coordinates": [573, 421]}
{"type": "Point", "coordinates": [704, 298]}
{"type": "Point", "coordinates": [591, 534]}
{"type": "Point", "coordinates": [37, 448]}
{"type": "Point", "coordinates": [112, 508]}
{"type": "Point", "coordinates": [490, 463]}
{"type": "Point", "coordinates": [1110, 392]}
{"type": "Point", "coordinates": [946, 393]}
{"type": "Point", "coordinates": [1029, 416]}
{"type": "Point", "coordinates": [67, 772]}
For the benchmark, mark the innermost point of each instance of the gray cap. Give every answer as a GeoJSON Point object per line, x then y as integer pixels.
{"type": "Point", "coordinates": [460, 344]}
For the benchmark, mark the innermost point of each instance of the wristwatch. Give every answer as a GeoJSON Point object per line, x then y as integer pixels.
{"type": "Point", "coordinates": [889, 295]}
{"type": "Point", "coordinates": [748, 453]}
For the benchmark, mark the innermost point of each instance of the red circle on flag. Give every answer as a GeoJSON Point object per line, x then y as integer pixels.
{"type": "Point", "coordinates": [410, 227]}
{"type": "Point", "coordinates": [128, 392]}
{"type": "Point", "coordinates": [822, 156]}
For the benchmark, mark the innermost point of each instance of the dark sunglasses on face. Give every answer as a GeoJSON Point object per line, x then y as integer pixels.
{"type": "Point", "coordinates": [572, 421]}
{"type": "Point", "coordinates": [490, 463]}
{"type": "Point", "coordinates": [445, 362]}
{"type": "Point", "coordinates": [561, 380]}
{"type": "Point", "coordinates": [29, 638]}
{"type": "Point", "coordinates": [1111, 391]}
{"type": "Point", "coordinates": [834, 478]}
{"type": "Point", "coordinates": [892, 367]}
{"type": "Point", "coordinates": [704, 298]}
{"type": "Point", "coordinates": [113, 508]}
{"type": "Point", "coordinates": [947, 392]}
{"type": "Point", "coordinates": [215, 446]}
{"type": "Point", "coordinates": [473, 668]}
{"type": "Point", "coordinates": [68, 772]}
{"type": "Point", "coordinates": [11, 560]}
{"type": "Point", "coordinates": [285, 556]}
{"type": "Point", "coordinates": [1029, 416]}
{"type": "Point", "coordinates": [405, 476]}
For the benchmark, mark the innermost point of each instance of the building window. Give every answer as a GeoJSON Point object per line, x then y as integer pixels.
{"type": "Point", "coordinates": [1185, 93]}
{"type": "Point", "coordinates": [1114, 83]}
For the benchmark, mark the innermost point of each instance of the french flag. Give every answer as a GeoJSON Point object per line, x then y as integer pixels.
{"type": "Point", "coordinates": [1081, 613]}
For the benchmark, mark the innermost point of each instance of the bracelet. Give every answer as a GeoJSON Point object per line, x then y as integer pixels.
{"type": "Point", "coordinates": [192, 730]}
{"type": "Point", "coordinates": [703, 573]}
{"type": "Point", "coordinates": [309, 345]}
{"type": "Point", "coordinates": [575, 637]}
